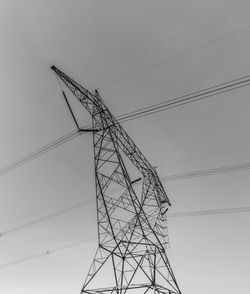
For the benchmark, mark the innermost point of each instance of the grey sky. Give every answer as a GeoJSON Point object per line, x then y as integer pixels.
{"type": "Point", "coordinates": [98, 42]}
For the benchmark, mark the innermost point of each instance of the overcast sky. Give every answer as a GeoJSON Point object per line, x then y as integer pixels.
{"type": "Point", "coordinates": [98, 43]}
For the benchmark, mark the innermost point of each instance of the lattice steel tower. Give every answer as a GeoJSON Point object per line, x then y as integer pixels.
{"type": "Point", "coordinates": [132, 236]}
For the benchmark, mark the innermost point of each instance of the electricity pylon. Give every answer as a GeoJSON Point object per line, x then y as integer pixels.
{"type": "Point", "coordinates": [132, 236]}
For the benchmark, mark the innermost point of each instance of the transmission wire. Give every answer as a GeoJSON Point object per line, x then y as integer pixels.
{"type": "Point", "coordinates": [170, 178]}
{"type": "Point", "coordinates": [45, 253]}
{"type": "Point", "coordinates": [82, 241]}
{"type": "Point", "coordinates": [176, 102]}
{"type": "Point", "coordinates": [149, 67]}
{"type": "Point", "coordinates": [68, 137]}
{"type": "Point", "coordinates": [73, 134]}
{"type": "Point", "coordinates": [44, 218]}
{"type": "Point", "coordinates": [207, 172]}
{"type": "Point", "coordinates": [56, 143]}
{"type": "Point", "coordinates": [180, 102]}
{"type": "Point", "coordinates": [221, 86]}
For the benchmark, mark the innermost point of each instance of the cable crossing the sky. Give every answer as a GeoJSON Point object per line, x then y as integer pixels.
{"type": "Point", "coordinates": [176, 57]}
{"type": "Point", "coordinates": [83, 241]}
{"type": "Point", "coordinates": [139, 113]}
{"type": "Point", "coordinates": [147, 68]}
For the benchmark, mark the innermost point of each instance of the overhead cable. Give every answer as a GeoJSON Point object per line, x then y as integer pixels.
{"type": "Point", "coordinates": [55, 143]}
{"type": "Point", "coordinates": [186, 99]}
{"type": "Point", "coordinates": [210, 212]}
{"type": "Point", "coordinates": [207, 172]}
{"type": "Point", "coordinates": [45, 253]}
{"type": "Point", "coordinates": [175, 57]}
{"type": "Point", "coordinates": [170, 178]}
{"type": "Point", "coordinates": [31, 126]}
{"type": "Point", "coordinates": [147, 68]}
{"type": "Point", "coordinates": [44, 218]}
{"type": "Point", "coordinates": [172, 103]}
{"type": "Point", "coordinates": [82, 241]}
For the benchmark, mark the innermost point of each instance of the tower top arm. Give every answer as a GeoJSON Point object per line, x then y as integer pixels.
{"type": "Point", "coordinates": [97, 108]}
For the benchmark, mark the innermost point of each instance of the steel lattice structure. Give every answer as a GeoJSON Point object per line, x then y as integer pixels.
{"type": "Point", "coordinates": [132, 229]}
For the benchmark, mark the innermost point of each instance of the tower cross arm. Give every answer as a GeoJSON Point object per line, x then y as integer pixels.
{"type": "Point", "coordinates": [96, 107]}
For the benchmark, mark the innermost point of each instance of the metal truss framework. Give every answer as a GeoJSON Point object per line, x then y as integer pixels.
{"type": "Point", "coordinates": [132, 229]}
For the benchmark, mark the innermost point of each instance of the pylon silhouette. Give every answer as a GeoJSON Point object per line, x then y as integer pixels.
{"type": "Point", "coordinates": [132, 229]}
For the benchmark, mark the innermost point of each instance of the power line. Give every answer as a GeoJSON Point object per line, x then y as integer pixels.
{"type": "Point", "coordinates": [136, 114]}
{"type": "Point", "coordinates": [132, 115]}
{"type": "Point", "coordinates": [60, 141]}
{"type": "Point", "coordinates": [207, 172]}
{"type": "Point", "coordinates": [202, 173]}
{"type": "Point", "coordinates": [170, 178]}
{"type": "Point", "coordinates": [45, 253]}
{"type": "Point", "coordinates": [147, 68]}
{"type": "Point", "coordinates": [45, 218]}
{"type": "Point", "coordinates": [82, 241]}
{"type": "Point", "coordinates": [173, 58]}
{"type": "Point", "coordinates": [172, 103]}
{"type": "Point", "coordinates": [186, 99]}
{"type": "Point", "coordinates": [55, 143]}
{"type": "Point", "coordinates": [34, 124]}
{"type": "Point", "coordinates": [31, 126]}
{"type": "Point", "coordinates": [210, 212]}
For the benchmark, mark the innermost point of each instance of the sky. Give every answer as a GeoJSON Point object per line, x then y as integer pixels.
{"type": "Point", "coordinates": [102, 44]}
